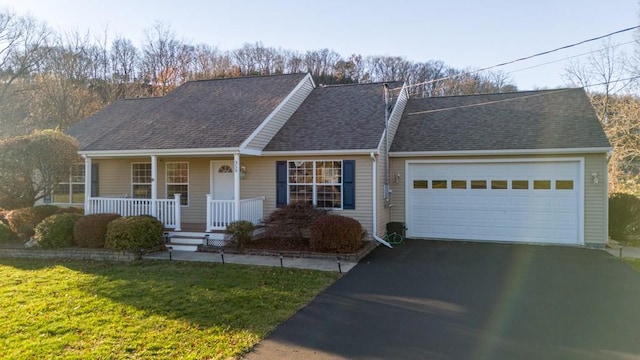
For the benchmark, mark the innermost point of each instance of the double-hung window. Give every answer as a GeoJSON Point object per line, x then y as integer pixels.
{"type": "Point", "coordinates": [71, 191]}
{"type": "Point", "coordinates": [141, 180]}
{"type": "Point", "coordinates": [178, 181]}
{"type": "Point", "coordinates": [315, 182]}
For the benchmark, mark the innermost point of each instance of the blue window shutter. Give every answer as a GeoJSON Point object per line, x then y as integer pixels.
{"type": "Point", "coordinates": [94, 180]}
{"type": "Point", "coordinates": [349, 184]}
{"type": "Point", "coordinates": [281, 183]}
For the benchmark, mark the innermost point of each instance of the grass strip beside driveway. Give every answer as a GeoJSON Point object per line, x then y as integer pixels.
{"type": "Point", "coordinates": [75, 309]}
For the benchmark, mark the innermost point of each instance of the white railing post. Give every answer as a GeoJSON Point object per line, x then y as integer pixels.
{"type": "Point", "coordinates": [209, 213]}
{"type": "Point", "coordinates": [236, 186]}
{"type": "Point", "coordinates": [154, 185]}
{"type": "Point", "coordinates": [177, 212]}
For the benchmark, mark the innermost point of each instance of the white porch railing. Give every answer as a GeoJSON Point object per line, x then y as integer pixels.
{"type": "Point", "coordinates": [165, 210]}
{"type": "Point", "coordinates": [222, 212]}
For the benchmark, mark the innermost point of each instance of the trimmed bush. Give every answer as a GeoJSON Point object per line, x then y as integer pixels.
{"type": "Point", "coordinates": [24, 221]}
{"type": "Point", "coordinates": [239, 233]}
{"type": "Point", "coordinates": [5, 233]}
{"type": "Point", "coordinates": [624, 215]}
{"type": "Point", "coordinates": [70, 210]}
{"type": "Point", "coordinates": [134, 233]}
{"type": "Point", "coordinates": [291, 221]}
{"type": "Point", "coordinates": [90, 231]}
{"type": "Point", "coordinates": [336, 234]}
{"type": "Point", "coordinates": [56, 231]}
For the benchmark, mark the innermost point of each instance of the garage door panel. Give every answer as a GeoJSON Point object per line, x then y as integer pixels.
{"type": "Point", "coordinates": [537, 213]}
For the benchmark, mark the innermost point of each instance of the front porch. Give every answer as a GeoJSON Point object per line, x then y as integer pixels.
{"type": "Point", "coordinates": [219, 214]}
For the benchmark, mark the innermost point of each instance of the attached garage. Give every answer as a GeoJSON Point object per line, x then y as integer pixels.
{"type": "Point", "coordinates": [523, 167]}
{"type": "Point", "coordinates": [528, 201]}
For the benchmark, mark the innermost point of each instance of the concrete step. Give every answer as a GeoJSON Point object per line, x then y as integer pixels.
{"type": "Point", "coordinates": [182, 247]}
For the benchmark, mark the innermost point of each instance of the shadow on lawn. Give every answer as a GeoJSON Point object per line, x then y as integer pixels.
{"type": "Point", "coordinates": [230, 296]}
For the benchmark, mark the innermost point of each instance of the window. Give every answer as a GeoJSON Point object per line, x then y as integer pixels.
{"type": "Point", "coordinates": [498, 184]}
{"type": "Point", "coordinates": [178, 181]}
{"type": "Point", "coordinates": [71, 191]}
{"type": "Point", "coordinates": [564, 184]}
{"type": "Point", "coordinates": [438, 184]}
{"type": "Point", "coordinates": [420, 184]}
{"type": "Point", "coordinates": [315, 182]}
{"type": "Point", "coordinates": [520, 184]}
{"type": "Point", "coordinates": [478, 184]}
{"type": "Point", "coordinates": [141, 180]}
{"type": "Point", "coordinates": [458, 184]}
{"type": "Point", "coordinates": [541, 184]}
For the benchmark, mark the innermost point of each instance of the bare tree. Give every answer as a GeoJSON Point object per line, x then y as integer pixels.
{"type": "Point", "coordinates": [164, 59]}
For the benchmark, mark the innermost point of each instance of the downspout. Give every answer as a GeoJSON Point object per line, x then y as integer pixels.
{"type": "Point", "coordinates": [374, 172]}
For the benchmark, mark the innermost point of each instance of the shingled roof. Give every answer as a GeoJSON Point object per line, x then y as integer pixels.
{"type": "Point", "coordinates": [205, 114]}
{"type": "Point", "coordinates": [529, 120]}
{"type": "Point", "coordinates": [337, 117]}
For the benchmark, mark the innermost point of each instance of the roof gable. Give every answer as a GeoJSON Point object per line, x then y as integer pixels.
{"type": "Point", "coordinates": [548, 119]}
{"type": "Point", "coordinates": [335, 118]}
{"type": "Point", "coordinates": [219, 113]}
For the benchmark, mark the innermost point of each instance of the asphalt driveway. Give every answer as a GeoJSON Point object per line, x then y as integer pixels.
{"type": "Point", "coordinates": [444, 300]}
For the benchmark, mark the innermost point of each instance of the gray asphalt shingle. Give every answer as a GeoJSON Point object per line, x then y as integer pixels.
{"type": "Point", "coordinates": [547, 119]}
{"type": "Point", "coordinates": [337, 117]}
{"type": "Point", "coordinates": [216, 113]}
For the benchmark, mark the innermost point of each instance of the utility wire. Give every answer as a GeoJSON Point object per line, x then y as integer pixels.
{"type": "Point", "coordinates": [521, 59]}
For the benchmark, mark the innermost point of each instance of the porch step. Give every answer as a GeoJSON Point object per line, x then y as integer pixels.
{"type": "Point", "coordinates": [182, 247]}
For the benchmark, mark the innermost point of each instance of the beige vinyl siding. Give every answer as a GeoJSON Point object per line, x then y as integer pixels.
{"type": "Point", "coordinates": [595, 195]}
{"type": "Point", "coordinates": [398, 189]}
{"type": "Point", "coordinates": [275, 123]}
{"type": "Point", "coordinates": [261, 181]}
{"type": "Point", "coordinates": [595, 201]}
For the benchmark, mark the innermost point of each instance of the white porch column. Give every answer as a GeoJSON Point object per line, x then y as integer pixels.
{"type": "Point", "coordinates": [154, 185]}
{"type": "Point", "coordinates": [236, 186]}
{"type": "Point", "coordinates": [87, 184]}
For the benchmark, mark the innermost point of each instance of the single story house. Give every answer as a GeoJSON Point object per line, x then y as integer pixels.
{"type": "Point", "coordinates": [516, 167]}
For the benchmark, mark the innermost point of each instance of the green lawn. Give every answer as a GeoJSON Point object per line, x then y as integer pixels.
{"type": "Point", "coordinates": [635, 263]}
{"type": "Point", "coordinates": [81, 310]}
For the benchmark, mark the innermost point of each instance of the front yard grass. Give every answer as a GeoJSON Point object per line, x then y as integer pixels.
{"type": "Point", "coordinates": [82, 310]}
{"type": "Point", "coordinates": [634, 263]}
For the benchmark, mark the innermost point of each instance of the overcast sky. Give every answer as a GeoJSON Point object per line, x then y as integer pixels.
{"type": "Point", "coordinates": [462, 33]}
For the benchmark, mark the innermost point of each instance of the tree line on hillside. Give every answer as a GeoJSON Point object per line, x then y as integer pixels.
{"type": "Point", "coordinates": [53, 80]}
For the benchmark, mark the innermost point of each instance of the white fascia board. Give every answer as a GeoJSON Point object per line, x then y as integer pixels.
{"type": "Point", "coordinates": [500, 152]}
{"type": "Point", "coordinates": [246, 151]}
{"type": "Point", "coordinates": [276, 111]}
{"type": "Point", "coordinates": [161, 152]}
{"type": "Point", "coordinates": [321, 152]}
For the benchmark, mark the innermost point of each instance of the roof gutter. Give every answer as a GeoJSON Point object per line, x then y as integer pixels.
{"type": "Point", "coordinates": [164, 152]}
{"type": "Point", "coordinates": [320, 152]}
{"type": "Point", "coordinates": [593, 150]}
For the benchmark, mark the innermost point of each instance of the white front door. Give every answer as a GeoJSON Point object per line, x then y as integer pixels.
{"type": "Point", "coordinates": [222, 180]}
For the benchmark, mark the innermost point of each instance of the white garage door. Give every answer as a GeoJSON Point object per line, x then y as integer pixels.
{"type": "Point", "coordinates": [530, 202]}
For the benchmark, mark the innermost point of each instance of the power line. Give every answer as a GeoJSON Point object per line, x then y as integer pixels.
{"type": "Point", "coordinates": [523, 58]}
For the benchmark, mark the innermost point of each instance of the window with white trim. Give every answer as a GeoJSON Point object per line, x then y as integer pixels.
{"type": "Point", "coordinates": [141, 180]}
{"type": "Point", "coordinates": [178, 181]}
{"type": "Point", "coordinates": [318, 182]}
{"type": "Point", "coordinates": [71, 191]}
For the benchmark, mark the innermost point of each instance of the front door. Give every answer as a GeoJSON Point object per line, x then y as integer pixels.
{"type": "Point", "coordinates": [222, 180]}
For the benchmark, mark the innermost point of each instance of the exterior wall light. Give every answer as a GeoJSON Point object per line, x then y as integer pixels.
{"type": "Point", "coordinates": [243, 171]}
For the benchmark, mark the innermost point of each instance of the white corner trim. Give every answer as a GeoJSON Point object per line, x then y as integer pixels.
{"type": "Point", "coordinates": [275, 111]}
{"type": "Point", "coordinates": [500, 152]}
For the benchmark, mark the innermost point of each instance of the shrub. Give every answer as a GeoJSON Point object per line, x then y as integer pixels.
{"type": "Point", "coordinates": [56, 231]}
{"type": "Point", "coordinates": [624, 215]}
{"type": "Point", "coordinates": [134, 233]}
{"type": "Point", "coordinates": [91, 230]}
{"type": "Point", "coordinates": [5, 233]}
{"type": "Point", "coordinates": [70, 210]}
{"type": "Point", "coordinates": [3, 213]}
{"type": "Point", "coordinates": [336, 234]}
{"type": "Point", "coordinates": [239, 233]}
{"type": "Point", "coordinates": [292, 220]}
{"type": "Point", "coordinates": [23, 221]}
